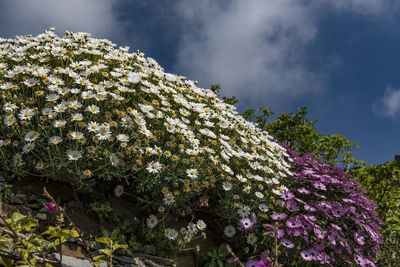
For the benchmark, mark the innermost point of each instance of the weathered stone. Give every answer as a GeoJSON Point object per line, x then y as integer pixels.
{"type": "Point", "coordinates": [41, 216]}
{"type": "Point", "coordinates": [68, 261]}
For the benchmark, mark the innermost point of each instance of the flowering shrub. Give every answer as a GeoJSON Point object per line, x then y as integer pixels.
{"type": "Point", "coordinates": [326, 217]}
{"type": "Point", "coordinates": [76, 109]}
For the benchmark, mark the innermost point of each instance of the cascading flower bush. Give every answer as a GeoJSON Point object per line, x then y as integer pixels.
{"type": "Point", "coordinates": [326, 217]}
{"type": "Point", "coordinates": [77, 109]}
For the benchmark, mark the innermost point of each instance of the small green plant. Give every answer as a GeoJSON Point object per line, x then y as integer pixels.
{"type": "Point", "coordinates": [6, 193]}
{"type": "Point", "coordinates": [21, 245]}
{"type": "Point", "coordinates": [103, 211]}
{"type": "Point", "coordinates": [217, 257]}
{"type": "Point", "coordinates": [111, 242]}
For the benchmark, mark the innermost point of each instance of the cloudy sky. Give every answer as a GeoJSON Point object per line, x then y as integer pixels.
{"type": "Point", "coordinates": [339, 58]}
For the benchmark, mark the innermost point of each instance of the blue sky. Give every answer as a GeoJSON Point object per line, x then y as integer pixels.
{"type": "Point", "coordinates": [339, 58]}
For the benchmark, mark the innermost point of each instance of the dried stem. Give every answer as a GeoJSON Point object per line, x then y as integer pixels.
{"type": "Point", "coordinates": [237, 260]}
{"type": "Point", "coordinates": [86, 246]}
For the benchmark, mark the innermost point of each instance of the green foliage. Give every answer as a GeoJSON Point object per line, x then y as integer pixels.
{"type": "Point", "coordinates": [300, 134]}
{"type": "Point", "coordinates": [382, 183]}
{"type": "Point", "coordinates": [25, 246]}
{"type": "Point", "coordinates": [111, 241]}
{"type": "Point", "coordinates": [5, 192]}
{"type": "Point", "coordinates": [217, 256]}
{"type": "Point", "coordinates": [21, 243]}
{"type": "Point", "coordinates": [104, 212]}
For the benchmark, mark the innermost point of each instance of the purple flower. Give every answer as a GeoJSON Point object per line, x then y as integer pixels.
{"type": "Point", "coordinates": [309, 255]}
{"type": "Point", "coordinates": [303, 191]}
{"type": "Point", "coordinates": [231, 260]}
{"type": "Point", "coordinates": [320, 206]}
{"type": "Point", "coordinates": [263, 263]}
{"type": "Point", "coordinates": [359, 239]}
{"type": "Point", "coordinates": [363, 261]}
{"type": "Point", "coordinates": [324, 258]}
{"type": "Point", "coordinates": [278, 216]}
{"type": "Point", "coordinates": [51, 207]}
{"type": "Point", "coordinates": [246, 224]}
{"type": "Point", "coordinates": [251, 263]}
{"type": "Point", "coordinates": [286, 195]}
{"type": "Point", "coordinates": [287, 243]}
{"type": "Point", "coordinates": [292, 205]}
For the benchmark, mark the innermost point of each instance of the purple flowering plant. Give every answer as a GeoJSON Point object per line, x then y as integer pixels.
{"type": "Point", "coordinates": [325, 216]}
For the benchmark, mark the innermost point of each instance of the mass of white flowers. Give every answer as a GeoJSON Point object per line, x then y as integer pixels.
{"type": "Point", "coordinates": [80, 110]}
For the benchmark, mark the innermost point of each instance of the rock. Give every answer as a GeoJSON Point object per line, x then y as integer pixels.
{"type": "Point", "coordinates": [16, 200]}
{"type": "Point", "coordinates": [68, 261]}
{"type": "Point", "coordinates": [186, 259]}
{"type": "Point", "coordinates": [41, 216]}
{"type": "Point", "coordinates": [73, 250]}
{"type": "Point", "coordinates": [75, 204]}
{"type": "Point", "coordinates": [124, 259]}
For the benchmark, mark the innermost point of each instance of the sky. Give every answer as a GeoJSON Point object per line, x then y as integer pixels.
{"type": "Point", "coordinates": [338, 58]}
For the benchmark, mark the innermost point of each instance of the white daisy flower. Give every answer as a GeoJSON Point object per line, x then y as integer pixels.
{"type": "Point", "coordinates": [259, 194]}
{"type": "Point", "coordinates": [243, 211]}
{"type": "Point", "coordinates": [31, 136]}
{"type": "Point", "coordinates": [103, 133]}
{"type": "Point", "coordinates": [251, 239]}
{"type": "Point", "coordinates": [114, 160]}
{"type": "Point", "coordinates": [74, 154]}
{"type": "Point", "coordinates": [123, 138]}
{"type": "Point", "coordinates": [55, 140]}
{"type": "Point", "coordinates": [201, 225]}
{"type": "Point", "coordinates": [59, 123]}
{"type": "Point", "coordinates": [77, 117]}
{"type": "Point", "coordinates": [154, 167]}
{"type": "Point", "coordinates": [169, 199]}
{"type": "Point", "coordinates": [171, 233]}
{"type": "Point", "coordinates": [229, 231]}
{"type": "Point", "coordinates": [192, 173]}
{"type": "Point", "coordinates": [118, 190]}
{"type": "Point", "coordinates": [78, 136]}
{"type": "Point", "coordinates": [93, 109]}
{"type": "Point", "coordinates": [60, 108]}
{"type": "Point", "coordinates": [52, 97]}
{"type": "Point", "coordinates": [9, 106]}
{"type": "Point", "coordinates": [263, 207]}
{"type": "Point", "coordinates": [93, 126]}
{"type": "Point", "coordinates": [227, 186]}
{"type": "Point", "coordinates": [152, 221]}
{"type": "Point", "coordinates": [28, 148]}
{"type": "Point", "coordinates": [26, 114]}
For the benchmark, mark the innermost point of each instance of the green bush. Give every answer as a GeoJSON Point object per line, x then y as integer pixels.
{"type": "Point", "coordinates": [382, 183]}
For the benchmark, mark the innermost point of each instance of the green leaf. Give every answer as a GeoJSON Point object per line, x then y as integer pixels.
{"type": "Point", "coordinates": [103, 240]}
{"type": "Point", "coordinates": [106, 251]}
{"type": "Point", "coordinates": [16, 217]}
{"type": "Point", "coordinates": [6, 262]}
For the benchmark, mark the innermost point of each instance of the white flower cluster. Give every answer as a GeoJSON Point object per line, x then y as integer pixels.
{"type": "Point", "coordinates": [81, 91]}
{"type": "Point", "coordinates": [77, 108]}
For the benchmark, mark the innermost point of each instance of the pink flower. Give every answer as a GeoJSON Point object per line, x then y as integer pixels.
{"type": "Point", "coordinates": [246, 224]}
{"type": "Point", "coordinates": [278, 216]}
{"type": "Point", "coordinates": [51, 207]}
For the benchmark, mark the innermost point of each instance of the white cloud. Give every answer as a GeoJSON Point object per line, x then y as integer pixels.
{"type": "Point", "coordinates": [32, 17]}
{"type": "Point", "coordinates": [256, 49]}
{"type": "Point", "coordinates": [250, 47]}
{"type": "Point", "coordinates": [389, 104]}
